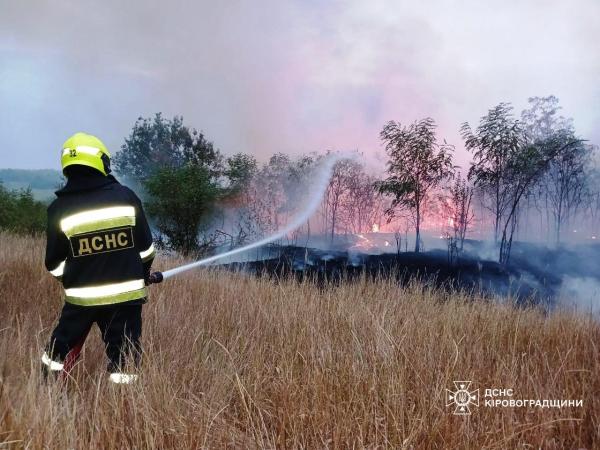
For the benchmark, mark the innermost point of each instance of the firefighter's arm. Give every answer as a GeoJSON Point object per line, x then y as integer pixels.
{"type": "Point", "coordinates": [143, 238]}
{"type": "Point", "coordinates": [57, 246]}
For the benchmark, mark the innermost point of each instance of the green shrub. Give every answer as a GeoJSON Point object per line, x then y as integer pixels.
{"type": "Point", "coordinates": [20, 212]}
{"type": "Point", "coordinates": [180, 201]}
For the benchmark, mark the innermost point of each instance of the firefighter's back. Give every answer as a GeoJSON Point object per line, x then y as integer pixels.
{"type": "Point", "coordinates": [100, 246]}
{"type": "Point", "coordinates": [98, 218]}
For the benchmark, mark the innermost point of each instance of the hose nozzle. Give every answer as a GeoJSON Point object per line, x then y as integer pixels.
{"type": "Point", "coordinates": [155, 278]}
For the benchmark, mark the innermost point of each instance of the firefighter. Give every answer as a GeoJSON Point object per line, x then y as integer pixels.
{"type": "Point", "coordinates": [100, 246]}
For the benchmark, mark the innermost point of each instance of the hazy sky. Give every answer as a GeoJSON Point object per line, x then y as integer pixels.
{"type": "Point", "coordinates": [274, 76]}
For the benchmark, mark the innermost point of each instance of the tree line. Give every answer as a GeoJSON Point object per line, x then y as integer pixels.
{"type": "Point", "coordinates": [535, 162]}
{"type": "Point", "coordinates": [532, 165]}
{"type": "Point", "coordinates": [526, 169]}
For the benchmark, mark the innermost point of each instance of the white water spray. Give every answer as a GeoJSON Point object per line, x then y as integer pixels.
{"type": "Point", "coordinates": [320, 182]}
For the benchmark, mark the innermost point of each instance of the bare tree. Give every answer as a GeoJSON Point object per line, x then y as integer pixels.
{"type": "Point", "coordinates": [268, 194]}
{"type": "Point", "coordinates": [592, 199]}
{"type": "Point", "coordinates": [417, 164]}
{"type": "Point", "coordinates": [362, 204]}
{"type": "Point", "coordinates": [345, 171]}
{"type": "Point", "coordinates": [459, 209]}
{"type": "Point", "coordinates": [277, 189]}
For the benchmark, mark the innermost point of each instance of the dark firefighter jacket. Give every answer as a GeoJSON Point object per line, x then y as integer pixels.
{"type": "Point", "coordinates": [99, 242]}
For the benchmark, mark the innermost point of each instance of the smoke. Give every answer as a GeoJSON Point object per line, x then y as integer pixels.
{"type": "Point", "coordinates": [568, 275]}
{"type": "Point", "coordinates": [581, 294]}
{"type": "Point", "coordinates": [284, 76]}
{"type": "Point", "coordinates": [319, 181]}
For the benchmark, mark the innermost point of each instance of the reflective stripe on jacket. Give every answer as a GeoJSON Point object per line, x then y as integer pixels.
{"type": "Point", "coordinates": [99, 242]}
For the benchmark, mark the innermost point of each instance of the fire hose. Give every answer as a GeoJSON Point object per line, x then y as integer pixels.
{"type": "Point", "coordinates": [320, 181]}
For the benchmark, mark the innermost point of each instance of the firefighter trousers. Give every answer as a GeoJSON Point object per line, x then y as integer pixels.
{"type": "Point", "coordinates": [120, 326]}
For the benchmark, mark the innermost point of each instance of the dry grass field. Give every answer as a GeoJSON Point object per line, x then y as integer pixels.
{"type": "Point", "coordinates": [238, 362]}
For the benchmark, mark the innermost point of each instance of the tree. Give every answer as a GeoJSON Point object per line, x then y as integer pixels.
{"type": "Point", "coordinates": [275, 192]}
{"type": "Point", "coordinates": [459, 209]}
{"type": "Point", "coordinates": [343, 176]}
{"type": "Point", "coordinates": [156, 143]}
{"type": "Point", "coordinates": [181, 199]}
{"type": "Point", "coordinates": [362, 205]}
{"type": "Point", "coordinates": [417, 164]}
{"type": "Point", "coordinates": [563, 186]}
{"type": "Point", "coordinates": [270, 198]}
{"type": "Point", "coordinates": [592, 199]}
{"type": "Point", "coordinates": [238, 222]}
{"type": "Point", "coordinates": [506, 165]}
{"type": "Point", "coordinates": [525, 168]}
{"type": "Point", "coordinates": [184, 176]}
{"type": "Point", "coordinates": [494, 143]}
{"type": "Point", "coordinates": [239, 171]}
{"type": "Point", "coordinates": [296, 186]}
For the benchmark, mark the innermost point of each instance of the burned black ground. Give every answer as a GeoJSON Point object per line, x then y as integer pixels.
{"type": "Point", "coordinates": [533, 275]}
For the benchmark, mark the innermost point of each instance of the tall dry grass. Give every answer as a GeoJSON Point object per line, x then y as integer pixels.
{"type": "Point", "coordinates": [234, 361]}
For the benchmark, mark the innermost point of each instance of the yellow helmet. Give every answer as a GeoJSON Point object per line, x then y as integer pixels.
{"type": "Point", "coordinates": [86, 150]}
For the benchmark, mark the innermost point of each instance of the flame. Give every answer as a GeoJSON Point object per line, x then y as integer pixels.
{"type": "Point", "coordinates": [363, 244]}
{"type": "Point", "coordinates": [375, 228]}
